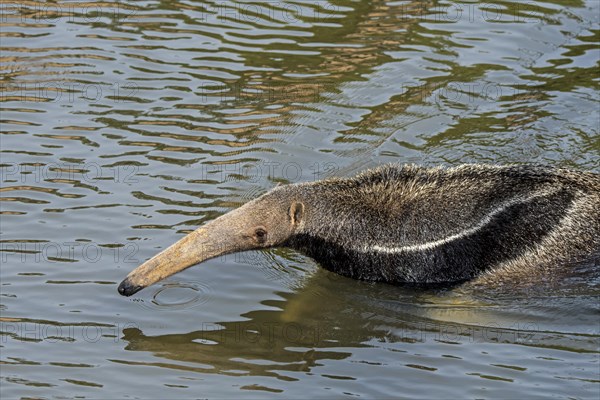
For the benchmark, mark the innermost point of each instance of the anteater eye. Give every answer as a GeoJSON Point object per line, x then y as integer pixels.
{"type": "Point", "coordinates": [260, 233]}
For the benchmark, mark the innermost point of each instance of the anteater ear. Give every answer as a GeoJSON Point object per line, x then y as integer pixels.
{"type": "Point", "coordinates": [296, 212]}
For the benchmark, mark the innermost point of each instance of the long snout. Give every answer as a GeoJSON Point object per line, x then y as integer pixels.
{"type": "Point", "coordinates": [202, 244]}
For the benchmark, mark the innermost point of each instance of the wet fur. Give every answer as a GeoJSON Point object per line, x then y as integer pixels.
{"type": "Point", "coordinates": [410, 224]}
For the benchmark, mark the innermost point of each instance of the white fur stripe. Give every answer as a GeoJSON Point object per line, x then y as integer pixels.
{"type": "Point", "coordinates": [436, 243]}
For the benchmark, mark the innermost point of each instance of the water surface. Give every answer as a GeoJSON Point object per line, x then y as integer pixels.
{"type": "Point", "coordinates": [127, 125]}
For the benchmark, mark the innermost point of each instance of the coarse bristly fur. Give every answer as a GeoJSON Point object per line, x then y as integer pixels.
{"type": "Point", "coordinates": [410, 224]}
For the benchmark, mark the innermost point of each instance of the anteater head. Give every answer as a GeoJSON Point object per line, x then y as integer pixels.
{"type": "Point", "coordinates": [267, 221]}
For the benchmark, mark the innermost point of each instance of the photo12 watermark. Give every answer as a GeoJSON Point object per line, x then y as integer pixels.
{"type": "Point", "coordinates": [68, 92]}
{"type": "Point", "coordinates": [68, 11]}
{"type": "Point", "coordinates": [270, 10]}
{"type": "Point", "coordinates": [32, 331]}
{"type": "Point", "coordinates": [259, 171]}
{"type": "Point", "coordinates": [455, 12]}
{"type": "Point", "coordinates": [263, 92]}
{"type": "Point", "coordinates": [91, 172]}
{"type": "Point", "coordinates": [68, 252]}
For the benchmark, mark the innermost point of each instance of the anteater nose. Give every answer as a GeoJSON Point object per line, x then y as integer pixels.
{"type": "Point", "coordinates": [126, 288]}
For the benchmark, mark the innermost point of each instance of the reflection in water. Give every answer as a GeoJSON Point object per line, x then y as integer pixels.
{"type": "Point", "coordinates": [332, 318]}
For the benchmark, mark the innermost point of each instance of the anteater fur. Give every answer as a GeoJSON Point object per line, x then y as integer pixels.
{"type": "Point", "coordinates": [410, 224]}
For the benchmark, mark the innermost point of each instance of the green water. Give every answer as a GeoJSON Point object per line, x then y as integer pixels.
{"type": "Point", "coordinates": [126, 125]}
